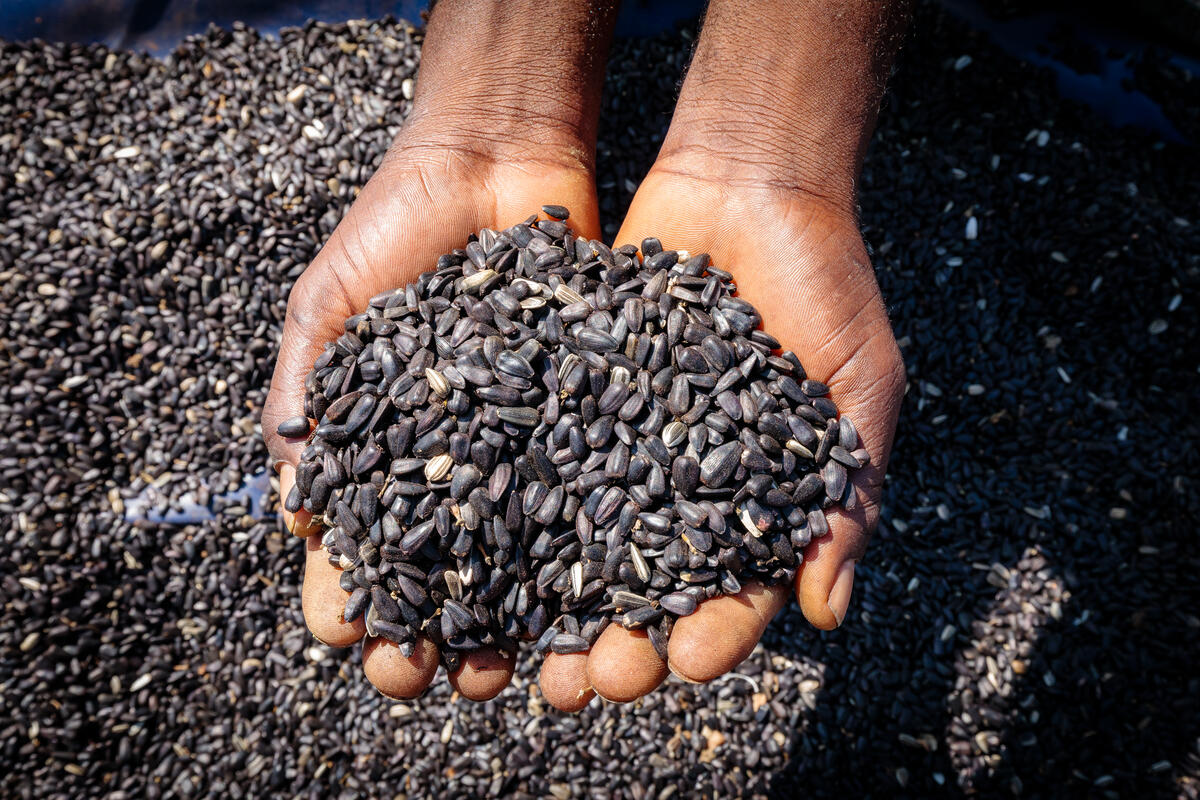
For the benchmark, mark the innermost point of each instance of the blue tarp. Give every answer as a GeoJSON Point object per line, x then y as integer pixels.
{"type": "Point", "coordinates": [158, 25]}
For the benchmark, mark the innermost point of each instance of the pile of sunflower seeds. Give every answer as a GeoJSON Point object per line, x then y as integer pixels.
{"type": "Point", "coordinates": [543, 433]}
{"type": "Point", "coordinates": [1024, 621]}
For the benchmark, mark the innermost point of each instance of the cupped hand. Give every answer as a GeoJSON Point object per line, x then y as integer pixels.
{"type": "Point", "coordinates": [800, 259]}
{"type": "Point", "coordinates": [432, 190]}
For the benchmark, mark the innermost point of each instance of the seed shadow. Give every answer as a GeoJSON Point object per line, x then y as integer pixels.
{"type": "Point", "coordinates": [910, 677]}
{"type": "Point", "coordinates": [1090, 684]}
{"type": "Point", "coordinates": [1034, 693]}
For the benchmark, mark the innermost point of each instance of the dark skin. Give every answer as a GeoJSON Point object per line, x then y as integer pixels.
{"type": "Point", "coordinates": [758, 169]}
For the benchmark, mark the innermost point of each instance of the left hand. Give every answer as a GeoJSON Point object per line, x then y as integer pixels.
{"type": "Point", "coordinates": [801, 261]}
{"type": "Point", "coordinates": [759, 170]}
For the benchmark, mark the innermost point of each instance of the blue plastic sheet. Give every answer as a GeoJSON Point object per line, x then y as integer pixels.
{"type": "Point", "coordinates": [157, 26]}
{"type": "Point", "coordinates": [1103, 82]}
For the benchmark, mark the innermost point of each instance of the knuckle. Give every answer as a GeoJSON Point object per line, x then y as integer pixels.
{"type": "Point", "coordinates": [893, 376]}
{"type": "Point", "coordinates": [304, 292]}
{"type": "Point", "coordinates": [319, 300]}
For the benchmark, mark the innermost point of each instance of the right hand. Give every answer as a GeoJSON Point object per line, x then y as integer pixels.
{"type": "Point", "coordinates": [432, 190]}
{"type": "Point", "coordinates": [800, 260]}
{"type": "Point", "coordinates": [501, 124]}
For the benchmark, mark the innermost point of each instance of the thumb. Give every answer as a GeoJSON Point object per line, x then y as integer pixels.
{"type": "Point", "coordinates": [317, 308]}
{"type": "Point", "coordinates": [385, 241]}
{"type": "Point", "coordinates": [367, 254]}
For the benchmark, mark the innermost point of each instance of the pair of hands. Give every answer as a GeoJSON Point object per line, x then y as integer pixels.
{"type": "Point", "coordinates": [796, 255]}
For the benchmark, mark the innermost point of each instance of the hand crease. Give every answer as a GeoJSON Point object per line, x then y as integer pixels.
{"type": "Point", "coordinates": [859, 351]}
{"type": "Point", "coordinates": [783, 188]}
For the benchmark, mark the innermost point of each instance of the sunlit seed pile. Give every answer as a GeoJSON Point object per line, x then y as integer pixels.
{"type": "Point", "coordinates": [1024, 621]}
{"type": "Point", "coordinates": [543, 434]}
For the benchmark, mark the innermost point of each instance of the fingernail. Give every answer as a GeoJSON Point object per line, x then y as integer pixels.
{"type": "Point", "coordinates": [839, 595]}
{"type": "Point", "coordinates": [681, 676]}
{"type": "Point", "coordinates": [279, 465]}
{"type": "Point", "coordinates": [287, 477]}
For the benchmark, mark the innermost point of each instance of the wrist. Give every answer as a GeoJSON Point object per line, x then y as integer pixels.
{"type": "Point", "coordinates": [787, 98]}
{"type": "Point", "coordinates": [498, 126]}
{"type": "Point", "coordinates": [513, 79]}
{"type": "Point", "coordinates": [739, 142]}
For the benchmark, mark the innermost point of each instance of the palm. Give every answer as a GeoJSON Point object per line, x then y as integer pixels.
{"type": "Point", "coordinates": [420, 204]}
{"type": "Point", "coordinates": [805, 267]}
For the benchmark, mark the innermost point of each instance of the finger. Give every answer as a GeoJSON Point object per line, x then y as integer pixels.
{"type": "Point", "coordinates": [323, 600]}
{"type": "Point", "coordinates": [824, 585]}
{"type": "Point", "coordinates": [722, 632]}
{"type": "Point", "coordinates": [623, 665]}
{"type": "Point", "coordinates": [483, 674]}
{"type": "Point", "coordinates": [564, 682]}
{"type": "Point", "coordinates": [869, 390]}
{"type": "Point", "coordinates": [825, 579]}
{"type": "Point", "coordinates": [301, 522]}
{"type": "Point", "coordinates": [394, 675]}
